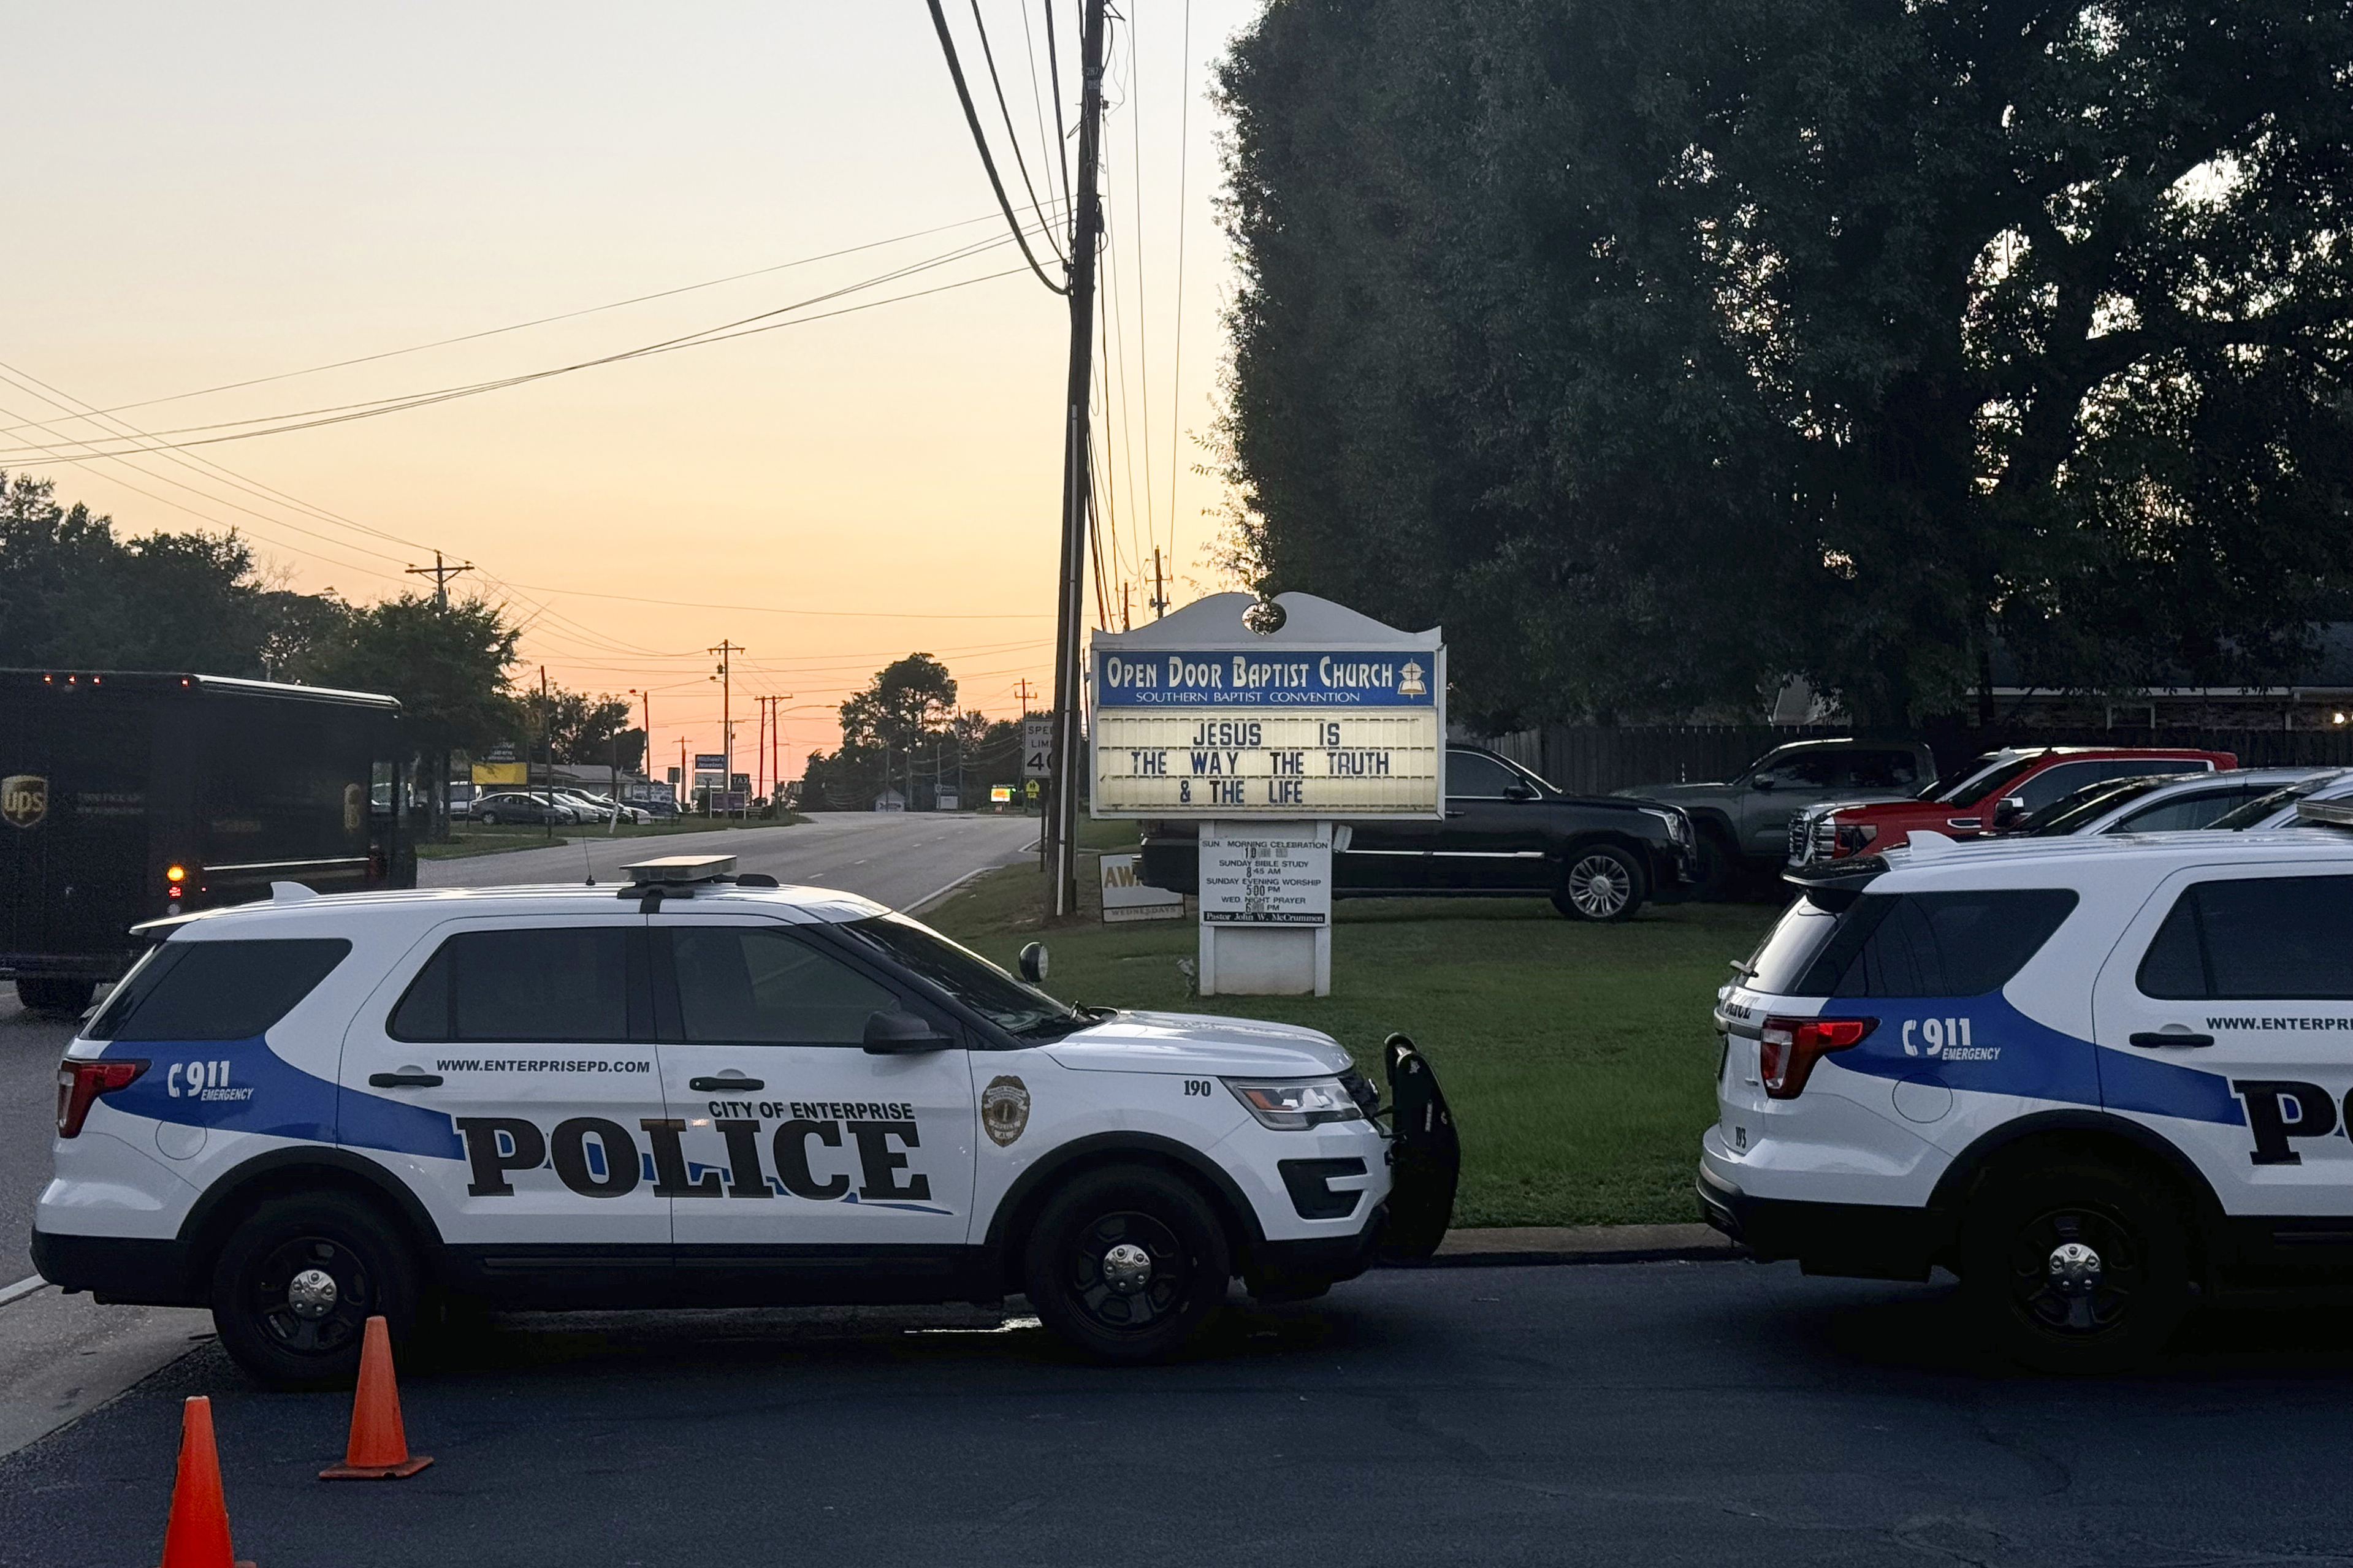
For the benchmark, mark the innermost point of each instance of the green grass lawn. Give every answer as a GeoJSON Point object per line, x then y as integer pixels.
{"type": "Point", "coordinates": [1578, 1058]}
{"type": "Point", "coordinates": [469, 838]}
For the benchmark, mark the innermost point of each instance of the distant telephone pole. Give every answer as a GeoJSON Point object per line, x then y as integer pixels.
{"type": "Point", "coordinates": [1025, 695]}
{"type": "Point", "coordinates": [546, 750]}
{"type": "Point", "coordinates": [1159, 591]}
{"type": "Point", "coordinates": [440, 574]}
{"type": "Point", "coordinates": [726, 651]}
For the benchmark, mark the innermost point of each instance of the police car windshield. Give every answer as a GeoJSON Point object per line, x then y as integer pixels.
{"type": "Point", "coordinates": [1011, 1004]}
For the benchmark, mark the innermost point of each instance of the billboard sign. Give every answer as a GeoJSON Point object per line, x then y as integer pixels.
{"type": "Point", "coordinates": [1331, 714]}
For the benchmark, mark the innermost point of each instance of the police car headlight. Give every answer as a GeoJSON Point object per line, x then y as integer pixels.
{"type": "Point", "coordinates": [1290, 1105]}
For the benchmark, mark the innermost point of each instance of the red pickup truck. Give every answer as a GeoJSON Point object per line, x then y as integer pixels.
{"type": "Point", "coordinates": [1985, 796]}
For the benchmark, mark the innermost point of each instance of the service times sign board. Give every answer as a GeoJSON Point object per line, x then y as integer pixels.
{"type": "Point", "coordinates": [1334, 715]}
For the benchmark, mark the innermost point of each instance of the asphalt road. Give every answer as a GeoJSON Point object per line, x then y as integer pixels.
{"type": "Point", "coordinates": [1639, 1414]}
{"type": "Point", "coordinates": [892, 858]}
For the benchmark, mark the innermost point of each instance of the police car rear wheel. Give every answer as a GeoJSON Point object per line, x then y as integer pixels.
{"type": "Point", "coordinates": [1127, 1264]}
{"type": "Point", "coordinates": [296, 1283]}
{"type": "Point", "coordinates": [2079, 1268]}
{"type": "Point", "coordinates": [1599, 883]}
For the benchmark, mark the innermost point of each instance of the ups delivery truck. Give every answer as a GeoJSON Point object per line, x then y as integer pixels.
{"type": "Point", "coordinates": [129, 795]}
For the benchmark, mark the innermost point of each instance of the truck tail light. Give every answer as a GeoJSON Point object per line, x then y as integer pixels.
{"type": "Point", "coordinates": [81, 1082]}
{"type": "Point", "coordinates": [1788, 1048]}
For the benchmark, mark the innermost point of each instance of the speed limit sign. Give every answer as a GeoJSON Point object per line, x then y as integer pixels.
{"type": "Point", "coordinates": [1037, 748]}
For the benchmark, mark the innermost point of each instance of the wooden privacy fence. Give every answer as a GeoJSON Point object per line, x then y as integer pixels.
{"type": "Point", "coordinates": [1595, 759]}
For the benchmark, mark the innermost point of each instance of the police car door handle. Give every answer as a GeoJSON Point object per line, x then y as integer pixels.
{"type": "Point", "coordinates": [407, 1077]}
{"type": "Point", "coordinates": [731, 1080]}
{"type": "Point", "coordinates": [2150, 1040]}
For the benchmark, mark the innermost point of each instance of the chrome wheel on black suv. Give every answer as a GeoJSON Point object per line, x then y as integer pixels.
{"type": "Point", "coordinates": [1599, 882]}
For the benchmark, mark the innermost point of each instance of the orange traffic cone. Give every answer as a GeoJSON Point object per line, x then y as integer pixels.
{"type": "Point", "coordinates": [379, 1449]}
{"type": "Point", "coordinates": [196, 1535]}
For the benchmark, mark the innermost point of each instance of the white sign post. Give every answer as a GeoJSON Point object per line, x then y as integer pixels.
{"type": "Point", "coordinates": [1271, 740]}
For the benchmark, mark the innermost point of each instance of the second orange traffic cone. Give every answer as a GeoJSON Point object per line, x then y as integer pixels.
{"type": "Point", "coordinates": [196, 1535]}
{"type": "Point", "coordinates": [378, 1449]}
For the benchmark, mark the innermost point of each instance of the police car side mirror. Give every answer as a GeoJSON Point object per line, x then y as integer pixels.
{"type": "Point", "coordinates": [1033, 963]}
{"type": "Point", "coordinates": [893, 1034]}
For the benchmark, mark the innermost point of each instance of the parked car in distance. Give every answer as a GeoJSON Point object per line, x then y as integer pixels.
{"type": "Point", "coordinates": [1744, 822]}
{"type": "Point", "coordinates": [2154, 803]}
{"type": "Point", "coordinates": [657, 808]}
{"type": "Point", "coordinates": [599, 807]}
{"type": "Point", "coordinates": [1990, 795]}
{"type": "Point", "coordinates": [516, 806]}
{"type": "Point", "coordinates": [1506, 834]}
{"type": "Point", "coordinates": [2277, 809]}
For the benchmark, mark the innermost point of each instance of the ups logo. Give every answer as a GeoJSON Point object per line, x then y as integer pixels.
{"type": "Point", "coordinates": [23, 800]}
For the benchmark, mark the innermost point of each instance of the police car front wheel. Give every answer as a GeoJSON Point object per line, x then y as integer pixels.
{"type": "Point", "coordinates": [297, 1281]}
{"type": "Point", "coordinates": [1127, 1264]}
{"type": "Point", "coordinates": [2079, 1268]}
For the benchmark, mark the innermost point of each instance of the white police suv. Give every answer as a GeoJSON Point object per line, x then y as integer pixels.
{"type": "Point", "coordinates": [2101, 1079]}
{"type": "Point", "coordinates": [707, 1090]}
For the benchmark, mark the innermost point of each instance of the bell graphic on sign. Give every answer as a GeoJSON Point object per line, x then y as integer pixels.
{"type": "Point", "coordinates": [1411, 686]}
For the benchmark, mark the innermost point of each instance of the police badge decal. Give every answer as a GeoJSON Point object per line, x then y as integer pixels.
{"type": "Point", "coordinates": [1004, 1110]}
{"type": "Point", "coordinates": [23, 800]}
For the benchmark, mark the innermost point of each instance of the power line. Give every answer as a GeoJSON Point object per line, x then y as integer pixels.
{"type": "Point", "coordinates": [1134, 106]}
{"type": "Point", "coordinates": [1177, 371]}
{"type": "Point", "coordinates": [536, 322]}
{"type": "Point", "coordinates": [1013, 137]}
{"type": "Point", "coordinates": [1060, 168]}
{"type": "Point", "coordinates": [1054, 78]}
{"type": "Point", "coordinates": [726, 332]}
{"type": "Point", "coordinates": [980, 140]}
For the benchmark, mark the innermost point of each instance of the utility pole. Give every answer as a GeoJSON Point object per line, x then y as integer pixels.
{"type": "Point", "coordinates": [440, 575]}
{"type": "Point", "coordinates": [438, 796]}
{"type": "Point", "coordinates": [726, 651]}
{"type": "Point", "coordinates": [546, 748]}
{"type": "Point", "coordinates": [1086, 238]}
{"type": "Point", "coordinates": [1159, 589]}
{"type": "Point", "coordinates": [1126, 621]}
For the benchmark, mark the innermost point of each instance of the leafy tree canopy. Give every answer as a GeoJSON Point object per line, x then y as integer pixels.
{"type": "Point", "coordinates": [1663, 348]}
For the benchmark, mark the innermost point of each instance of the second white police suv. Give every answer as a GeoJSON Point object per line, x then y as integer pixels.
{"type": "Point", "coordinates": [708, 1090]}
{"type": "Point", "coordinates": [2101, 1079]}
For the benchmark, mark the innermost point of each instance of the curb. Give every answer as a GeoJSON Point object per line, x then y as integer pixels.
{"type": "Point", "coordinates": [1544, 1245]}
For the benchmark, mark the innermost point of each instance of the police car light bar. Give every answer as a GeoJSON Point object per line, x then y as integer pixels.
{"type": "Point", "coordinates": [2325, 813]}
{"type": "Point", "coordinates": [681, 869]}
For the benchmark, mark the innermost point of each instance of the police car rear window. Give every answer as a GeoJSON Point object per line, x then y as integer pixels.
{"type": "Point", "coordinates": [216, 990]}
{"type": "Point", "coordinates": [1923, 944]}
{"type": "Point", "coordinates": [560, 984]}
{"type": "Point", "coordinates": [2282, 939]}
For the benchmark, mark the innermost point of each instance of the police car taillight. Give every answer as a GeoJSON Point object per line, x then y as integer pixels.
{"type": "Point", "coordinates": [1788, 1048]}
{"type": "Point", "coordinates": [80, 1082]}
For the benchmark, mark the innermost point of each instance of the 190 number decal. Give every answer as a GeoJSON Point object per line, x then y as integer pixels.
{"type": "Point", "coordinates": [1196, 1086]}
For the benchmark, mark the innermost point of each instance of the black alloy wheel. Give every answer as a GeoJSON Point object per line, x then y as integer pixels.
{"type": "Point", "coordinates": [296, 1283]}
{"type": "Point", "coordinates": [2078, 1269]}
{"type": "Point", "coordinates": [1599, 882]}
{"type": "Point", "coordinates": [1128, 1263]}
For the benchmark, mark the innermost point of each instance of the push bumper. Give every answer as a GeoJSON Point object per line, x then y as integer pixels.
{"type": "Point", "coordinates": [117, 1270]}
{"type": "Point", "coordinates": [1864, 1241]}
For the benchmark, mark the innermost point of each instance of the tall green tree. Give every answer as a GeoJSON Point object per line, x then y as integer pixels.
{"type": "Point", "coordinates": [72, 592]}
{"type": "Point", "coordinates": [447, 664]}
{"type": "Point", "coordinates": [1664, 349]}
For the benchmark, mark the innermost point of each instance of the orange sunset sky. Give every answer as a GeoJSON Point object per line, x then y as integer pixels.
{"type": "Point", "coordinates": [216, 193]}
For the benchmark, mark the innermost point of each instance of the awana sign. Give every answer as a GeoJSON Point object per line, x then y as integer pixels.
{"type": "Point", "coordinates": [1331, 714]}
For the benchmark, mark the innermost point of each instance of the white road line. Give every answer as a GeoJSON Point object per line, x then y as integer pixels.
{"type": "Point", "coordinates": [937, 894]}
{"type": "Point", "coordinates": [22, 1289]}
